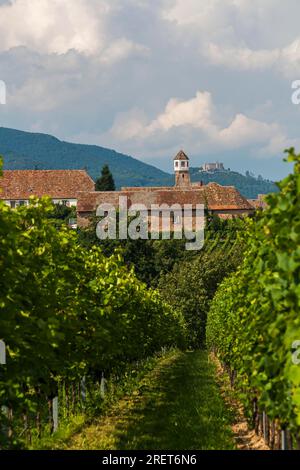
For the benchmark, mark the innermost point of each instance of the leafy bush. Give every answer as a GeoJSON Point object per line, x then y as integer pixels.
{"type": "Point", "coordinates": [191, 285]}
{"type": "Point", "coordinates": [254, 318]}
{"type": "Point", "coordinates": [67, 311]}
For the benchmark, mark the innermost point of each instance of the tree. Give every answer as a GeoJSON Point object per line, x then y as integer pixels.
{"type": "Point", "coordinates": [191, 285]}
{"type": "Point", "coordinates": [106, 181]}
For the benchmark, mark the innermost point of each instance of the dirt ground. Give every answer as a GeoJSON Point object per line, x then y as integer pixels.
{"type": "Point", "coordinates": [246, 438]}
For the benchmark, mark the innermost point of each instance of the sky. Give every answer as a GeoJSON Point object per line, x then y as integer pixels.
{"type": "Point", "coordinates": [150, 77]}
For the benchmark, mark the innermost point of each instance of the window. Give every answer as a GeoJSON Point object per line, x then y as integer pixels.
{"type": "Point", "coordinates": [182, 164]}
{"type": "Point", "coordinates": [65, 202]}
{"type": "Point", "coordinates": [175, 218]}
{"type": "Point", "coordinates": [14, 204]}
{"type": "Point", "coordinates": [176, 164]}
{"type": "Point", "coordinates": [73, 223]}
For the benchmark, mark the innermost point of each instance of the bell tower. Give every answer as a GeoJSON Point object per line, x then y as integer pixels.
{"type": "Point", "coordinates": [182, 170]}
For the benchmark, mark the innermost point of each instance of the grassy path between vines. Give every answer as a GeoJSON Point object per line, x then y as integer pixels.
{"type": "Point", "coordinates": [176, 406]}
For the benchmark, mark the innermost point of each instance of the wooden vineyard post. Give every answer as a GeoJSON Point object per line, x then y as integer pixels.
{"type": "Point", "coordinates": [260, 424]}
{"type": "Point", "coordinates": [283, 439]}
{"type": "Point", "coordinates": [83, 389]}
{"type": "Point", "coordinates": [272, 435]}
{"type": "Point", "coordinates": [265, 428]}
{"type": "Point", "coordinates": [2, 353]}
{"type": "Point", "coordinates": [278, 442]}
{"type": "Point", "coordinates": [255, 421]}
{"type": "Point", "coordinates": [10, 425]}
{"type": "Point", "coordinates": [27, 429]}
{"type": "Point", "coordinates": [290, 440]}
{"type": "Point", "coordinates": [78, 389]}
{"type": "Point", "coordinates": [55, 413]}
{"type": "Point", "coordinates": [102, 386]}
{"type": "Point", "coordinates": [50, 415]}
{"type": "Point", "coordinates": [67, 398]}
{"type": "Point", "coordinates": [4, 426]}
{"type": "Point", "coordinates": [38, 424]}
{"type": "Point", "coordinates": [73, 398]}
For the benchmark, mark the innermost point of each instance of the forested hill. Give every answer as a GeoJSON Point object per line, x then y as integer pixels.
{"type": "Point", "coordinates": [29, 151]}
{"type": "Point", "coordinates": [248, 185]}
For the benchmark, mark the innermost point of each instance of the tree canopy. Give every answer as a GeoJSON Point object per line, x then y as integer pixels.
{"type": "Point", "coordinates": [106, 180]}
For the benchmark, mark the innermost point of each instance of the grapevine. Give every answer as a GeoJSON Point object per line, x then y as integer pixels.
{"type": "Point", "coordinates": [254, 318]}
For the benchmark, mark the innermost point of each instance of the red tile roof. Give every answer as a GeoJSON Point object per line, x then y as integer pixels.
{"type": "Point", "coordinates": [76, 184]}
{"type": "Point", "coordinates": [224, 197]}
{"type": "Point", "coordinates": [213, 196]}
{"type": "Point", "coordinates": [181, 156]}
{"type": "Point", "coordinates": [65, 184]}
{"type": "Point", "coordinates": [260, 202]}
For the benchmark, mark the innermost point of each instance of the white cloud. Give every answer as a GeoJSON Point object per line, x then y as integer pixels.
{"type": "Point", "coordinates": [241, 58]}
{"type": "Point", "coordinates": [196, 113]}
{"type": "Point", "coordinates": [53, 26]}
{"type": "Point", "coordinates": [285, 60]}
{"type": "Point", "coordinates": [121, 49]}
{"type": "Point", "coordinates": [57, 26]}
{"type": "Point", "coordinates": [75, 68]}
{"type": "Point", "coordinates": [200, 12]}
{"type": "Point", "coordinates": [277, 143]}
{"type": "Point", "coordinates": [129, 125]}
{"type": "Point", "coordinates": [242, 34]}
{"type": "Point", "coordinates": [240, 16]}
{"type": "Point", "coordinates": [194, 122]}
{"type": "Point", "coordinates": [244, 131]}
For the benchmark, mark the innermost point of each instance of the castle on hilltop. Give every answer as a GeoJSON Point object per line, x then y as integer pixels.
{"type": "Point", "coordinates": [212, 167]}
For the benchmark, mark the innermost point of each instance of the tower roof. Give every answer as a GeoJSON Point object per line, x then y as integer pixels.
{"type": "Point", "coordinates": [181, 156]}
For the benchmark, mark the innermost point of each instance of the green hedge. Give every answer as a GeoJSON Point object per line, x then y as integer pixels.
{"type": "Point", "coordinates": [66, 311]}
{"type": "Point", "coordinates": [255, 316]}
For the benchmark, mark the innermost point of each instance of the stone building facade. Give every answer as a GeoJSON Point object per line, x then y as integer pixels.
{"type": "Point", "coordinates": [223, 201]}
{"type": "Point", "coordinates": [76, 188]}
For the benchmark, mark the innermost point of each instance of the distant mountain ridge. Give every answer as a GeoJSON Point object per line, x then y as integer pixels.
{"type": "Point", "coordinates": [248, 185]}
{"type": "Point", "coordinates": [28, 151]}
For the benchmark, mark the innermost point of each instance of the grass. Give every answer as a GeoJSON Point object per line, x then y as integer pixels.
{"type": "Point", "coordinates": [177, 406]}
{"type": "Point", "coordinates": [96, 405]}
{"type": "Point", "coordinates": [67, 428]}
